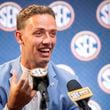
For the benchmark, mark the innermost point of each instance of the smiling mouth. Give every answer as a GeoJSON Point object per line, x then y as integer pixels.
{"type": "Point", "coordinates": [45, 52]}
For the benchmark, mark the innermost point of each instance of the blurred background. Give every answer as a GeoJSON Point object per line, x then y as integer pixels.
{"type": "Point", "coordinates": [83, 41]}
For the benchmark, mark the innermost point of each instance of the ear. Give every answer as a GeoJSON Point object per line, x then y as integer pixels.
{"type": "Point", "coordinates": [19, 37]}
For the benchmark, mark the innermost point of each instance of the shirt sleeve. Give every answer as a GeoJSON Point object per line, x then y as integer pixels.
{"type": "Point", "coordinates": [74, 108]}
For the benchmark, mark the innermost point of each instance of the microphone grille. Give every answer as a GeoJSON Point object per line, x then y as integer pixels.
{"type": "Point", "coordinates": [73, 85]}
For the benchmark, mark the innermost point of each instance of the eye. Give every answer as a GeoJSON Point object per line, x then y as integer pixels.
{"type": "Point", "coordinates": [38, 33]}
{"type": "Point", "coordinates": [52, 33]}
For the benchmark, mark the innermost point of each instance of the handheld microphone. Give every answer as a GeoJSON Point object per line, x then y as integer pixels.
{"type": "Point", "coordinates": [43, 90]}
{"type": "Point", "coordinates": [40, 83]}
{"type": "Point", "coordinates": [79, 95]}
{"type": "Point", "coordinates": [39, 75]}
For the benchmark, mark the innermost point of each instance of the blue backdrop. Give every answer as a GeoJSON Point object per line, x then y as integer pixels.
{"type": "Point", "coordinates": [83, 41]}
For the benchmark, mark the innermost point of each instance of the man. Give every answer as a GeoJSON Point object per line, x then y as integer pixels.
{"type": "Point", "coordinates": [36, 35]}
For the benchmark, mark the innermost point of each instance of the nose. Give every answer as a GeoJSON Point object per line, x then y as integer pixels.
{"type": "Point", "coordinates": [47, 39]}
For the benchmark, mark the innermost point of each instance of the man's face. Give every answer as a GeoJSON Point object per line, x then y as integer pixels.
{"type": "Point", "coordinates": [38, 40]}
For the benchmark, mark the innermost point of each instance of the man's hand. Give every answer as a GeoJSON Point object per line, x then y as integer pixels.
{"type": "Point", "coordinates": [20, 93]}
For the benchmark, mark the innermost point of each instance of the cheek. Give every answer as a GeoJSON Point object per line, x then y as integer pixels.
{"type": "Point", "coordinates": [36, 40]}
{"type": "Point", "coordinates": [54, 41]}
{"type": "Point", "coordinates": [36, 43]}
{"type": "Point", "coordinates": [30, 44]}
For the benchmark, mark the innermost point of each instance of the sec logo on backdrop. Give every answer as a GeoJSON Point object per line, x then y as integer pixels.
{"type": "Point", "coordinates": [104, 78]}
{"type": "Point", "coordinates": [103, 14]}
{"type": "Point", "coordinates": [64, 14]}
{"type": "Point", "coordinates": [85, 46]}
{"type": "Point", "coordinates": [8, 12]}
{"type": "Point", "coordinates": [66, 68]}
{"type": "Point", "coordinates": [94, 105]}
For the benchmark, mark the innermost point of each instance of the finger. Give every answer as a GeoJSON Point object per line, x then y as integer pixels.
{"type": "Point", "coordinates": [20, 83]}
{"type": "Point", "coordinates": [33, 93]}
{"type": "Point", "coordinates": [22, 80]}
{"type": "Point", "coordinates": [14, 77]}
{"type": "Point", "coordinates": [26, 85]}
{"type": "Point", "coordinates": [24, 76]}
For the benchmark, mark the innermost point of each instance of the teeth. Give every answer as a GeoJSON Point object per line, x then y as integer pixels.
{"type": "Point", "coordinates": [46, 50]}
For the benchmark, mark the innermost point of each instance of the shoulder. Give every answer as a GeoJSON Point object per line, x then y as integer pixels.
{"type": "Point", "coordinates": [5, 70]}
{"type": "Point", "coordinates": [62, 73]}
{"type": "Point", "coordinates": [7, 65]}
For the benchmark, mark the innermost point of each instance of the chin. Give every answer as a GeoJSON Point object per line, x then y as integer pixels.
{"type": "Point", "coordinates": [45, 59]}
{"type": "Point", "coordinates": [43, 63]}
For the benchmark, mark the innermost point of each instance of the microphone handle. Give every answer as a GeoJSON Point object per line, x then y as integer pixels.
{"type": "Point", "coordinates": [83, 105]}
{"type": "Point", "coordinates": [86, 108]}
{"type": "Point", "coordinates": [43, 105]}
{"type": "Point", "coordinates": [43, 90]}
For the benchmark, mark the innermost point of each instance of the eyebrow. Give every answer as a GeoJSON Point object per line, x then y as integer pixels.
{"type": "Point", "coordinates": [42, 29]}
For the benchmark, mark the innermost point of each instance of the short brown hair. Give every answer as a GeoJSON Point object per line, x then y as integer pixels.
{"type": "Point", "coordinates": [31, 10]}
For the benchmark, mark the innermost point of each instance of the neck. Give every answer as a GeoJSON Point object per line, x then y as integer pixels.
{"type": "Point", "coordinates": [33, 65]}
